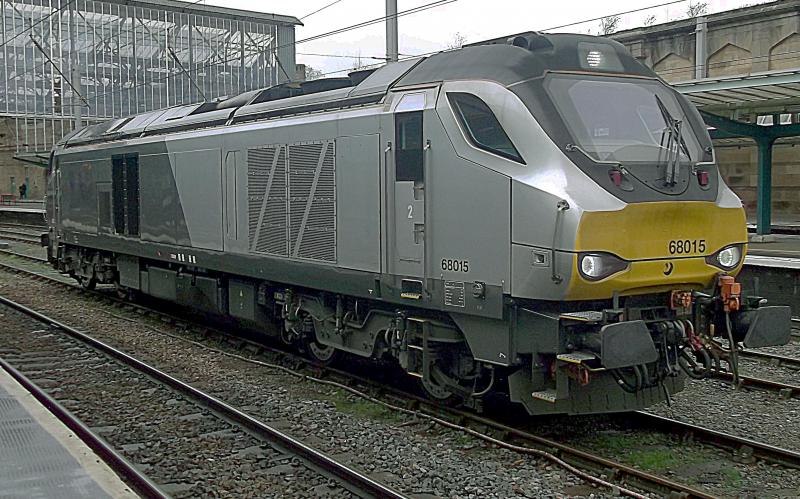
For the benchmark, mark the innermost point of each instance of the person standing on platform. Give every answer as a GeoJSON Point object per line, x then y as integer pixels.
{"type": "Point", "coordinates": [23, 191]}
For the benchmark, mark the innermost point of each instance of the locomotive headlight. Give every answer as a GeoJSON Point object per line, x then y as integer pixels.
{"type": "Point", "coordinates": [594, 58]}
{"type": "Point", "coordinates": [726, 258]}
{"type": "Point", "coordinates": [596, 266]}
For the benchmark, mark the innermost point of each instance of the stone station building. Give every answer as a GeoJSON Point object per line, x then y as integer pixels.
{"type": "Point", "coordinates": [747, 43]}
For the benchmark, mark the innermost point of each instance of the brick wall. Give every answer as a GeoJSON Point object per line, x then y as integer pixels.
{"type": "Point", "coordinates": [739, 168]}
{"type": "Point", "coordinates": [15, 169]}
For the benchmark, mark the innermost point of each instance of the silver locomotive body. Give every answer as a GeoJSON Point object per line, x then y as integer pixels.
{"type": "Point", "coordinates": [448, 212]}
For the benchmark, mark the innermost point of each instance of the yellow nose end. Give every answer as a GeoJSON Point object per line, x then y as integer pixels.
{"type": "Point", "coordinates": [666, 244]}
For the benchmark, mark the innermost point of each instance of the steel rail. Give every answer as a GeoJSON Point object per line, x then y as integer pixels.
{"type": "Point", "coordinates": [13, 225]}
{"type": "Point", "coordinates": [352, 480]}
{"type": "Point", "coordinates": [780, 360]}
{"type": "Point", "coordinates": [139, 482]}
{"type": "Point", "coordinates": [22, 239]}
{"type": "Point", "coordinates": [743, 447]}
{"type": "Point", "coordinates": [27, 231]}
{"type": "Point", "coordinates": [578, 457]}
{"type": "Point", "coordinates": [785, 390]}
{"type": "Point", "coordinates": [23, 255]}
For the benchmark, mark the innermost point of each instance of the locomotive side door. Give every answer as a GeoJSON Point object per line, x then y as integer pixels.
{"type": "Point", "coordinates": [53, 192]}
{"type": "Point", "coordinates": [407, 184]}
{"type": "Point", "coordinates": [53, 205]}
{"type": "Point", "coordinates": [233, 181]}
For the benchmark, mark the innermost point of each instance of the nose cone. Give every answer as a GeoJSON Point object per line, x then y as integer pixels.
{"type": "Point", "coordinates": [666, 242]}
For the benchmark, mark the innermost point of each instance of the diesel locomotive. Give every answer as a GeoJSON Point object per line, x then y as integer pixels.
{"type": "Point", "coordinates": [538, 216]}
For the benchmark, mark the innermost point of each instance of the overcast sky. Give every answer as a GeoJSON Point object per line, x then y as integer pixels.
{"type": "Point", "coordinates": [435, 28]}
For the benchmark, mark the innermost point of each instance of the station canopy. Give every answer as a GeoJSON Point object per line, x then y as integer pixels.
{"type": "Point", "coordinates": [758, 93]}
{"type": "Point", "coordinates": [757, 107]}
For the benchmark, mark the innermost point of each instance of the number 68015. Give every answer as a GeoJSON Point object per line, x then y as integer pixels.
{"type": "Point", "coordinates": [455, 265]}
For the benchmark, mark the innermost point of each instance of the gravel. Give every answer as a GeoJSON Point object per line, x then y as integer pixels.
{"type": "Point", "coordinates": [413, 457]}
{"type": "Point", "coordinates": [763, 369]}
{"type": "Point", "coordinates": [188, 451]}
{"type": "Point", "coordinates": [425, 460]}
{"type": "Point", "coordinates": [792, 349]}
{"type": "Point", "coordinates": [755, 414]}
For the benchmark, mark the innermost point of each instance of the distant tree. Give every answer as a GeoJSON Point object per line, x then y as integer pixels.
{"type": "Point", "coordinates": [313, 74]}
{"type": "Point", "coordinates": [650, 20]}
{"type": "Point", "coordinates": [609, 24]}
{"type": "Point", "coordinates": [696, 9]}
{"type": "Point", "coordinates": [456, 41]}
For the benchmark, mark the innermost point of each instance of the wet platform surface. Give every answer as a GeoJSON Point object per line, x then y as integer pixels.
{"type": "Point", "coordinates": [774, 250]}
{"type": "Point", "coordinates": [42, 458]}
{"type": "Point", "coordinates": [32, 214]}
{"type": "Point", "coordinates": [772, 269]}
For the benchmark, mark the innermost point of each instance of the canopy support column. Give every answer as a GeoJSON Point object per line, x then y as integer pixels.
{"type": "Point", "coordinates": [764, 189]}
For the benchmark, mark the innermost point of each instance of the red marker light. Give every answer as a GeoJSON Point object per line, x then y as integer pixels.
{"type": "Point", "coordinates": [702, 178]}
{"type": "Point", "coordinates": [616, 177]}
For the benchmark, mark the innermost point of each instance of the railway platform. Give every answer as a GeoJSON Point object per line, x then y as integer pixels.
{"type": "Point", "coordinates": [25, 212]}
{"type": "Point", "coordinates": [774, 250]}
{"type": "Point", "coordinates": [772, 268]}
{"type": "Point", "coordinates": [781, 224]}
{"type": "Point", "coordinates": [40, 457]}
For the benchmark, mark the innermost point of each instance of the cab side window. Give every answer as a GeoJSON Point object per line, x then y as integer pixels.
{"type": "Point", "coordinates": [408, 156]}
{"type": "Point", "coordinates": [481, 126]}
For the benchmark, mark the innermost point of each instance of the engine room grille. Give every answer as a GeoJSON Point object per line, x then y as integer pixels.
{"type": "Point", "coordinates": [266, 193]}
{"type": "Point", "coordinates": [292, 211]}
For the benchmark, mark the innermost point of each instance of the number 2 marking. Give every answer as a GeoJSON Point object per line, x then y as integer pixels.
{"type": "Point", "coordinates": [410, 211]}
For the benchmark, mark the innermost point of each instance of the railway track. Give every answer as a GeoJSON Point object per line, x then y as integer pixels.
{"type": "Point", "coordinates": [772, 358]}
{"type": "Point", "coordinates": [795, 329]}
{"type": "Point", "coordinates": [25, 228]}
{"type": "Point", "coordinates": [19, 235]}
{"type": "Point", "coordinates": [785, 390]}
{"type": "Point", "coordinates": [744, 449]}
{"type": "Point", "coordinates": [11, 225]}
{"type": "Point", "coordinates": [59, 355]}
{"type": "Point", "coordinates": [29, 236]}
{"type": "Point", "coordinates": [138, 481]}
{"type": "Point", "coordinates": [501, 433]}
{"type": "Point", "coordinates": [23, 255]}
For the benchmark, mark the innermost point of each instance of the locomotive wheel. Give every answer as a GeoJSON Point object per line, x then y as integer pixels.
{"type": "Point", "coordinates": [124, 293]}
{"type": "Point", "coordinates": [324, 354]}
{"type": "Point", "coordinates": [438, 392]}
{"type": "Point", "coordinates": [87, 282]}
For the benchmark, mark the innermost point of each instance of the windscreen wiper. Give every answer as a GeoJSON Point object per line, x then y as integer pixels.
{"type": "Point", "coordinates": [674, 145]}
